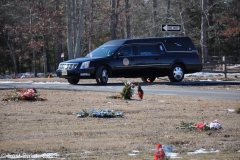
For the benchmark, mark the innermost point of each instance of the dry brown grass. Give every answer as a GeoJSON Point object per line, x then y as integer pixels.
{"type": "Point", "coordinates": [52, 126]}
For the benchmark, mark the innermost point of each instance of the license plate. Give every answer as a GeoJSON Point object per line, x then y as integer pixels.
{"type": "Point", "coordinates": [64, 72]}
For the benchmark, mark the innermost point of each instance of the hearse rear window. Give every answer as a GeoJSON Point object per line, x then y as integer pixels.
{"type": "Point", "coordinates": [173, 46]}
{"type": "Point", "coordinates": [146, 50]}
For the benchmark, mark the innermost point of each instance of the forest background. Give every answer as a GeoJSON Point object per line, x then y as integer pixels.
{"type": "Point", "coordinates": [35, 34]}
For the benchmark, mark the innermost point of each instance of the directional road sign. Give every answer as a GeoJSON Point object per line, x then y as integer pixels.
{"type": "Point", "coordinates": [171, 27]}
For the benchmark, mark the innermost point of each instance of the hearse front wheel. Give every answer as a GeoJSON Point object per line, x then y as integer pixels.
{"type": "Point", "coordinates": [148, 79]}
{"type": "Point", "coordinates": [102, 75]}
{"type": "Point", "coordinates": [73, 80]}
{"type": "Point", "coordinates": [177, 73]}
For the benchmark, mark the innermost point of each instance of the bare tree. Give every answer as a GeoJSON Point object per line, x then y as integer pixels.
{"type": "Point", "coordinates": [80, 30]}
{"type": "Point", "coordinates": [45, 59]}
{"type": "Point", "coordinates": [113, 19]}
{"type": "Point", "coordinates": [74, 24]}
{"type": "Point", "coordinates": [203, 32]}
{"type": "Point", "coordinates": [127, 14]}
{"type": "Point", "coordinates": [59, 31]}
{"type": "Point", "coordinates": [11, 52]}
{"type": "Point", "coordinates": [90, 39]}
{"type": "Point", "coordinates": [167, 13]}
{"type": "Point", "coordinates": [32, 43]}
{"type": "Point", "coordinates": [181, 12]}
{"type": "Point", "coordinates": [69, 30]}
{"type": "Point", "coordinates": [155, 19]}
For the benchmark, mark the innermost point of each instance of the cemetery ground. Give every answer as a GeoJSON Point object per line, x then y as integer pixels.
{"type": "Point", "coordinates": [52, 126]}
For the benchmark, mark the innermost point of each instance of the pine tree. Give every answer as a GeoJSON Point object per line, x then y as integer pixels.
{"type": "Point", "coordinates": [127, 91]}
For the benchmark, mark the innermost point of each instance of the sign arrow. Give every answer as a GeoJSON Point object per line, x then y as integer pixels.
{"type": "Point", "coordinates": [165, 27]}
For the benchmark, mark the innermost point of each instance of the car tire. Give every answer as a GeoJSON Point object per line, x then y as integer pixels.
{"type": "Point", "coordinates": [148, 79]}
{"type": "Point", "coordinates": [102, 75]}
{"type": "Point", "coordinates": [177, 73]}
{"type": "Point", "coordinates": [73, 81]}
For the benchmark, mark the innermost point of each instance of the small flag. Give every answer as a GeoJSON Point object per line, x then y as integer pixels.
{"type": "Point", "coordinates": [62, 55]}
{"type": "Point", "coordinates": [140, 92]}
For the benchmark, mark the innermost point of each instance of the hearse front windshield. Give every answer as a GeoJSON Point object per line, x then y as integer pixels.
{"type": "Point", "coordinates": [103, 51]}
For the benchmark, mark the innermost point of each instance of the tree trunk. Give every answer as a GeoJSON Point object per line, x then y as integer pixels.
{"type": "Point", "coordinates": [90, 39]}
{"type": "Point", "coordinates": [44, 56]}
{"type": "Point", "coordinates": [167, 14]}
{"type": "Point", "coordinates": [155, 20]}
{"type": "Point", "coordinates": [59, 35]}
{"type": "Point", "coordinates": [69, 30]}
{"type": "Point", "coordinates": [74, 25]}
{"type": "Point", "coordinates": [12, 54]}
{"type": "Point", "coordinates": [34, 59]}
{"type": "Point", "coordinates": [113, 20]}
{"type": "Point", "coordinates": [47, 54]}
{"type": "Point", "coordinates": [80, 29]}
{"type": "Point", "coordinates": [127, 13]}
{"type": "Point", "coordinates": [203, 33]}
{"type": "Point", "coordinates": [184, 30]}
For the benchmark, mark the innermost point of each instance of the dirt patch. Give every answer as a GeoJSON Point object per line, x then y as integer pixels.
{"type": "Point", "coordinates": [53, 126]}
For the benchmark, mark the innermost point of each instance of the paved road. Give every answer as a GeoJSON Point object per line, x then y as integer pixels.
{"type": "Point", "coordinates": [181, 89]}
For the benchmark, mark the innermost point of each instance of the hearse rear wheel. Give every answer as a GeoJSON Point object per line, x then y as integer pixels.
{"type": "Point", "coordinates": [177, 73]}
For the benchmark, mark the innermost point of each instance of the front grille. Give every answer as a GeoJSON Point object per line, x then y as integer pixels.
{"type": "Point", "coordinates": [68, 66]}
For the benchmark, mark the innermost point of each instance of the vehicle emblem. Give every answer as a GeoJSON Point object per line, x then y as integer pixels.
{"type": "Point", "coordinates": [125, 61]}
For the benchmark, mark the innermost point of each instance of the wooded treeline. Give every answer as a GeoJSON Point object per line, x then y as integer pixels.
{"type": "Point", "coordinates": [34, 33]}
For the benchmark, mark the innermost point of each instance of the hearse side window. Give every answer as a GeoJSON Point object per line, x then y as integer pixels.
{"type": "Point", "coordinates": [126, 50]}
{"type": "Point", "coordinates": [173, 46]}
{"type": "Point", "coordinates": [146, 50]}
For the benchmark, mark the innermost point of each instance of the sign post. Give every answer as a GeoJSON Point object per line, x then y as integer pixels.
{"type": "Point", "coordinates": [62, 56]}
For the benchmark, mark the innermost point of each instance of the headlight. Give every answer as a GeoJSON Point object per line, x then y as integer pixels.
{"type": "Point", "coordinates": [85, 65]}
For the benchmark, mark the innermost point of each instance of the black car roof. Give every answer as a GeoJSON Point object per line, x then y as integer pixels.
{"type": "Point", "coordinates": [184, 41]}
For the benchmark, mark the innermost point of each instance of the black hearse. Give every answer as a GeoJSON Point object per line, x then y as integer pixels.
{"type": "Point", "coordinates": [147, 58]}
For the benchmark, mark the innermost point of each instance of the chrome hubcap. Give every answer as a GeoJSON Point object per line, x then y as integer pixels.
{"type": "Point", "coordinates": [178, 73]}
{"type": "Point", "coordinates": [105, 75]}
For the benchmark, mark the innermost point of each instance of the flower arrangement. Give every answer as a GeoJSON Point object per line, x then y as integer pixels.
{"type": "Point", "coordinates": [200, 126]}
{"type": "Point", "coordinates": [128, 92]}
{"type": "Point", "coordinates": [105, 113]}
{"type": "Point", "coordinates": [29, 94]}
